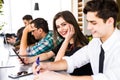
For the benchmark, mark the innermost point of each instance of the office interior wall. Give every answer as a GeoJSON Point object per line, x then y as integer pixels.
{"type": "Point", "coordinates": [86, 32]}
{"type": "Point", "coordinates": [16, 9]}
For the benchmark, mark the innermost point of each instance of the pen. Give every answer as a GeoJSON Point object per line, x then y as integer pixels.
{"type": "Point", "coordinates": [38, 63]}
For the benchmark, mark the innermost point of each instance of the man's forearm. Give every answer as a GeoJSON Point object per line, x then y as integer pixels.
{"type": "Point", "coordinates": [54, 65]}
{"type": "Point", "coordinates": [23, 43]}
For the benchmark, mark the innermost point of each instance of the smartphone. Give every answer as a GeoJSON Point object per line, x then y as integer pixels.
{"type": "Point", "coordinates": [14, 76]}
{"type": "Point", "coordinates": [19, 56]}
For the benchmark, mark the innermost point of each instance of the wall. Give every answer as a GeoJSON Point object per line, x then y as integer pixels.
{"type": "Point", "coordinates": [16, 9]}
{"type": "Point", "coordinates": [86, 32]}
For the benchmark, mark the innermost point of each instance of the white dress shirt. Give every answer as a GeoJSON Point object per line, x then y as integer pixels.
{"type": "Point", "coordinates": [90, 53]}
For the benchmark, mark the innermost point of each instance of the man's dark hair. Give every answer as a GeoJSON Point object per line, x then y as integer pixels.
{"type": "Point", "coordinates": [8, 35]}
{"type": "Point", "coordinates": [27, 17]}
{"type": "Point", "coordinates": [104, 8]}
{"type": "Point", "coordinates": [41, 23]}
{"type": "Point", "coordinates": [30, 38]}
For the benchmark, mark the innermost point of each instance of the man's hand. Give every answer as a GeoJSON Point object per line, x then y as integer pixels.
{"type": "Point", "coordinates": [50, 75]}
{"type": "Point", "coordinates": [41, 68]}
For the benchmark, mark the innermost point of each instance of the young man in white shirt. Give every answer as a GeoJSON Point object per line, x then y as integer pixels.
{"type": "Point", "coordinates": [101, 16]}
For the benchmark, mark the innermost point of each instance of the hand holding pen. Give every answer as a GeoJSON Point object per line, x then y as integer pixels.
{"type": "Point", "coordinates": [38, 63]}
{"type": "Point", "coordinates": [39, 66]}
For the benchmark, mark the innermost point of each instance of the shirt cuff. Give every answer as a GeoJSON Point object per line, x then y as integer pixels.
{"type": "Point", "coordinates": [70, 67]}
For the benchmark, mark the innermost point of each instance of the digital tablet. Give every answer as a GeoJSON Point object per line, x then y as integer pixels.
{"type": "Point", "coordinates": [19, 56]}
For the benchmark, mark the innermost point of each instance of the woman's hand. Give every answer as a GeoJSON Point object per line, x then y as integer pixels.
{"type": "Point", "coordinates": [70, 32]}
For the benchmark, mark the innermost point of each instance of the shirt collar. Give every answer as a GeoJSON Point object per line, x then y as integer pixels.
{"type": "Point", "coordinates": [111, 40]}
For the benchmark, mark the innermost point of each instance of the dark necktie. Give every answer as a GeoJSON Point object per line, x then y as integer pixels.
{"type": "Point", "coordinates": [101, 60]}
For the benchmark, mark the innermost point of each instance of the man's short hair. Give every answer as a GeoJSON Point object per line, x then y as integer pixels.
{"type": "Point", "coordinates": [8, 35]}
{"type": "Point", "coordinates": [104, 8]}
{"type": "Point", "coordinates": [41, 23]}
{"type": "Point", "coordinates": [27, 17]}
